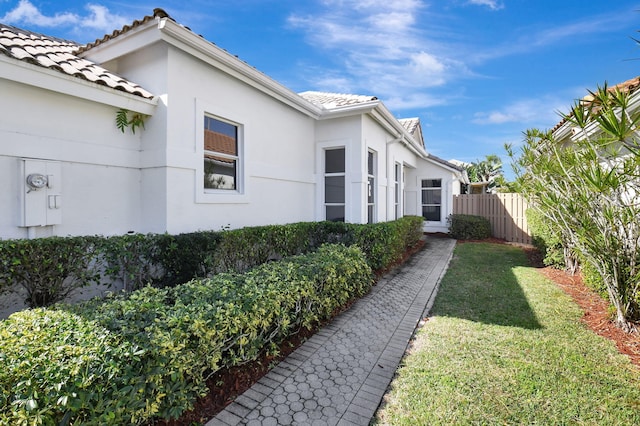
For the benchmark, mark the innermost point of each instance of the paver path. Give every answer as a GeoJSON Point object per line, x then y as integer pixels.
{"type": "Point", "coordinates": [339, 376]}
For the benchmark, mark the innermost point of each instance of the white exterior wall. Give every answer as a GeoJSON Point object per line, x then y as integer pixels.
{"type": "Point", "coordinates": [413, 185]}
{"type": "Point", "coordinates": [277, 160]}
{"type": "Point", "coordinates": [99, 166]}
{"type": "Point", "coordinates": [341, 132]}
{"type": "Point", "coordinates": [377, 139]}
{"type": "Point", "coordinates": [399, 153]}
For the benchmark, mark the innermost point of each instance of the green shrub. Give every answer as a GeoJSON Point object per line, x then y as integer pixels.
{"type": "Point", "coordinates": [469, 227]}
{"type": "Point", "coordinates": [49, 269]}
{"type": "Point", "coordinates": [546, 240]}
{"type": "Point", "coordinates": [131, 259]}
{"type": "Point", "coordinates": [384, 243]}
{"type": "Point", "coordinates": [184, 257]}
{"type": "Point", "coordinates": [129, 358]}
{"type": "Point", "coordinates": [245, 248]}
{"type": "Point", "coordinates": [60, 368]}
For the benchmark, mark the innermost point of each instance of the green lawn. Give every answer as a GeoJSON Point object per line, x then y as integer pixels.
{"type": "Point", "coordinates": [504, 345]}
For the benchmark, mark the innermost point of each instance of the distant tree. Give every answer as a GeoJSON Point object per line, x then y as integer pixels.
{"type": "Point", "coordinates": [487, 171]}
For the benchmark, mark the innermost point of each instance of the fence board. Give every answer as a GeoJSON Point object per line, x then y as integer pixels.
{"type": "Point", "coordinates": [505, 212]}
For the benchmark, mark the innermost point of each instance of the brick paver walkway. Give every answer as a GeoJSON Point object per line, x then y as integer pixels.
{"type": "Point", "coordinates": [339, 376]}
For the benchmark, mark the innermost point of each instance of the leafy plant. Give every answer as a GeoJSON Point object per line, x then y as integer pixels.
{"type": "Point", "coordinates": [130, 358]}
{"type": "Point", "coordinates": [547, 240]}
{"type": "Point", "coordinates": [49, 269]}
{"type": "Point", "coordinates": [469, 227]}
{"type": "Point", "coordinates": [488, 171]}
{"type": "Point", "coordinates": [587, 190]}
{"type": "Point", "coordinates": [125, 118]}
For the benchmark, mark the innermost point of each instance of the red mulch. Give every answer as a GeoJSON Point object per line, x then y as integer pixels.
{"type": "Point", "coordinates": [596, 312]}
{"type": "Point", "coordinates": [226, 384]}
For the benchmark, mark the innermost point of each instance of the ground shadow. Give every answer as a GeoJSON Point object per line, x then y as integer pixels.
{"type": "Point", "coordinates": [480, 286]}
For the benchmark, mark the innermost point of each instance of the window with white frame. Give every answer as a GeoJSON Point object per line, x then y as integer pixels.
{"type": "Point", "coordinates": [397, 194]}
{"type": "Point", "coordinates": [371, 187]}
{"type": "Point", "coordinates": [334, 184]}
{"type": "Point", "coordinates": [221, 155]}
{"type": "Point", "coordinates": [431, 199]}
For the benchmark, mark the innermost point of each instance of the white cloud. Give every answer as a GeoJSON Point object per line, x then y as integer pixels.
{"type": "Point", "coordinates": [413, 100]}
{"type": "Point", "coordinates": [26, 12]}
{"type": "Point", "coordinates": [491, 4]}
{"type": "Point", "coordinates": [538, 112]}
{"type": "Point", "coordinates": [571, 32]}
{"type": "Point", "coordinates": [98, 18]}
{"type": "Point", "coordinates": [381, 49]}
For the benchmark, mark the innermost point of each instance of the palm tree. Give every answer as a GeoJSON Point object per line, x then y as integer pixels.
{"type": "Point", "coordinates": [487, 172]}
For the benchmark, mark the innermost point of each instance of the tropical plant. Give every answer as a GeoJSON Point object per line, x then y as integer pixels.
{"type": "Point", "coordinates": [587, 190]}
{"type": "Point", "coordinates": [488, 170]}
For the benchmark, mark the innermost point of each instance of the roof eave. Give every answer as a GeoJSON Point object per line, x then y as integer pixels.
{"type": "Point", "coordinates": [388, 120]}
{"type": "Point", "coordinates": [328, 113]}
{"type": "Point", "coordinates": [197, 46]}
{"type": "Point", "coordinates": [462, 173]}
{"type": "Point", "coordinates": [49, 79]}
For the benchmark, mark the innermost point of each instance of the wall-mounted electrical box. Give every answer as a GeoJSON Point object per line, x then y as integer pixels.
{"type": "Point", "coordinates": [40, 188]}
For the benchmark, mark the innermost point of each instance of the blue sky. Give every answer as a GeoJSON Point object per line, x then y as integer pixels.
{"type": "Point", "coordinates": [477, 72]}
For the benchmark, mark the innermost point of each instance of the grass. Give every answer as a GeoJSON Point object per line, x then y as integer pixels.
{"type": "Point", "coordinates": [505, 346]}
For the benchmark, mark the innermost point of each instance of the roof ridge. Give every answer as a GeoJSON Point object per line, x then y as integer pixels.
{"type": "Point", "coordinates": [158, 13]}
{"type": "Point", "coordinates": [373, 98]}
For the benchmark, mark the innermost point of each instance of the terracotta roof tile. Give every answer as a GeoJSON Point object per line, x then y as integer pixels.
{"type": "Point", "coordinates": [157, 13]}
{"type": "Point", "coordinates": [333, 100]}
{"type": "Point", "coordinates": [630, 86]}
{"type": "Point", "coordinates": [61, 55]}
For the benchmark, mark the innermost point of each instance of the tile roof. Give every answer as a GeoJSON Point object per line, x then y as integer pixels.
{"type": "Point", "coordinates": [630, 86]}
{"type": "Point", "coordinates": [157, 13]}
{"type": "Point", "coordinates": [445, 162]}
{"type": "Point", "coordinates": [62, 56]}
{"type": "Point", "coordinates": [410, 124]}
{"type": "Point", "coordinates": [333, 100]}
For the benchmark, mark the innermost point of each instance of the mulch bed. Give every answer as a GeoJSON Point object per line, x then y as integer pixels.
{"type": "Point", "coordinates": [596, 312]}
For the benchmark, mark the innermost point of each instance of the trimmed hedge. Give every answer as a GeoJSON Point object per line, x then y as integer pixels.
{"type": "Point", "coordinates": [129, 359]}
{"type": "Point", "coordinates": [49, 269]}
{"type": "Point", "coordinates": [60, 265]}
{"type": "Point", "coordinates": [469, 227]}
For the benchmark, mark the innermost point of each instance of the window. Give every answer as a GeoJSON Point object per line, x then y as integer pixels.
{"type": "Point", "coordinates": [397, 190]}
{"type": "Point", "coordinates": [371, 187]}
{"type": "Point", "coordinates": [221, 155]}
{"type": "Point", "coordinates": [334, 184]}
{"type": "Point", "coordinates": [431, 199]}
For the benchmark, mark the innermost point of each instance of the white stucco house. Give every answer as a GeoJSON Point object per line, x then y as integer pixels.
{"type": "Point", "coordinates": [223, 145]}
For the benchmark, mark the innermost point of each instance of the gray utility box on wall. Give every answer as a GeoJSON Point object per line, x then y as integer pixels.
{"type": "Point", "coordinates": [40, 188]}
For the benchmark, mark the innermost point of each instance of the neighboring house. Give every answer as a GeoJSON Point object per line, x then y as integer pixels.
{"type": "Point", "coordinates": [223, 145]}
{"type": "Point", "coordinates": [566, 132]}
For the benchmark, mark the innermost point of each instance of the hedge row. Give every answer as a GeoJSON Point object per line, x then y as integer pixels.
{"type": "Point", "coordinates": [130, 358]}
{"type": "Point", "coordinates": [469, 227]}
{"type": "Point", "coordinates": [50, 268]}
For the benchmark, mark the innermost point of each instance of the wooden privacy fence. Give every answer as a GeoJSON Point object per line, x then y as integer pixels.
{"type": "Point", "coordinates": [504, 211]}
